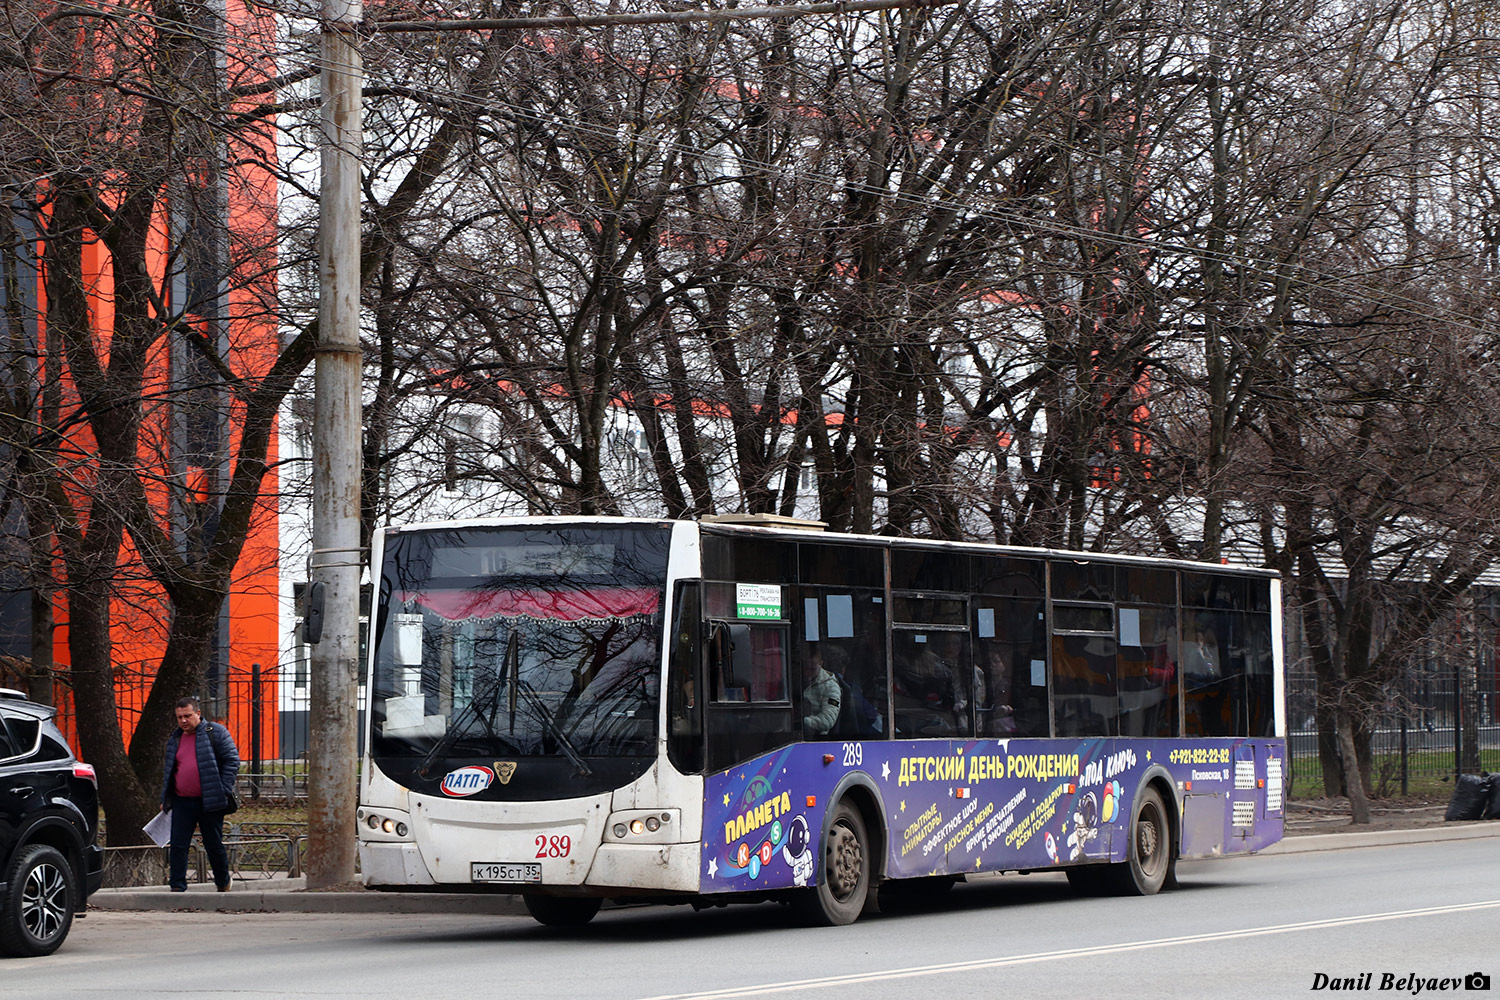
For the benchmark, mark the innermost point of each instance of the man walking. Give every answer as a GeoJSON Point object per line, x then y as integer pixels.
{"type": "Point", "coordinates": [200, 768]}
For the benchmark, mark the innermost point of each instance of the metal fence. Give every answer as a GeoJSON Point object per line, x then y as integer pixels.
{"type": "Point", "coordinates": [256, 851]}
{"type": "Point", "coordinates": [266, 712]}
{"type": "Point", "coordinates": [1428, 731]}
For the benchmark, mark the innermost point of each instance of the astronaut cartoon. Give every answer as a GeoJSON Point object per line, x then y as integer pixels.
{"type": "Point", "coordinates": [1085, 825]}
{"type": "Point", "coordinates": [797, 851]}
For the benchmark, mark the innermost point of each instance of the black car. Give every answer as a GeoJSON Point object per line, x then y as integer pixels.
{"type": "Point", "coordinates": [49, 820]}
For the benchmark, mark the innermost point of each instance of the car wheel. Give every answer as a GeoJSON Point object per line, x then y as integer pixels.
{"type": "Point", "coordinates": [37, 907]}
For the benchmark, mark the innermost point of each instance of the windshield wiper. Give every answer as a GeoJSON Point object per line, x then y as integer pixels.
{"type": "Point", "coordinates": [539, 709]}
{"type": "Point", "coordinates": [457, 729]}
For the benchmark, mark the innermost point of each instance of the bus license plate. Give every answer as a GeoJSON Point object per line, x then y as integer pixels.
{"type": "Point", "coordinates": [505, 871]}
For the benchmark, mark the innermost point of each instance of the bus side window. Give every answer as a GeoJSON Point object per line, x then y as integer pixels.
{"type": "Point", "coordinates": [768, 665]}
{"type": "Point", "coordinates": [749, 713]}
{"type": "Point", "coordinates": [748, 663]}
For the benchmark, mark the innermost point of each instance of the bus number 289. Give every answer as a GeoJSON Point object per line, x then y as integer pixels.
{"type": "Point", "coordinates": [553, 847]}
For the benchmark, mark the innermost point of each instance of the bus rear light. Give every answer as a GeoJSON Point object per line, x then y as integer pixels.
{"type": "Point", "coordinates": [1187, 786]}
{"type": "Point", "coordinates": [620, 830]}
{"type": "Point", "coordinates": [812, 800]}
{"type": "Point", "coordinates": [827, 759]}
{"type": "Point", "coordinates": [653, 824]}
{"type": "Point", "coordinates": [637, 826]}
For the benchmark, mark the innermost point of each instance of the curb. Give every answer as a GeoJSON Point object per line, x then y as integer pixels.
{"type": "Point", "coordinates": [282, 895]}
{"type": "Point", "coordinates": [1381, 838]}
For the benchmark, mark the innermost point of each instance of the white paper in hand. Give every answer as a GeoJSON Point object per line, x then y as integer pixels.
{"type": "Point", "coordinates": [159, 829]}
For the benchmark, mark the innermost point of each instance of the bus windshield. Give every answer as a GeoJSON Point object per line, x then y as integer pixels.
{"type": "Point", "coordinates": [519, 643]}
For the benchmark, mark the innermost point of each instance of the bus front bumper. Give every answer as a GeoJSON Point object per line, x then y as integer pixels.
{"type": "Point", "coordinates": [392, 864]}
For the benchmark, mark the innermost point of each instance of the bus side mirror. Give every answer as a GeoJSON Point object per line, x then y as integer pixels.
{"type": "Point", "coordinates": [731, 651]}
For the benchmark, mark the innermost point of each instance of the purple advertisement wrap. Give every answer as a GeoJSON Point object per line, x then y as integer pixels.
{"type": "Point", "coordinates": [954, 807]}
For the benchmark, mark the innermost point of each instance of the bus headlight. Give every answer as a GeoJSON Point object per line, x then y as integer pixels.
{"type": "Point", "coordinates": [640, 826]}
{"type": "Point", "coordinates": [383, 825]}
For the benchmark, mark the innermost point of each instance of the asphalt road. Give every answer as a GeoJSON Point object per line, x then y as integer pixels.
{"type": "Point", "coordinates": [1257, 928]}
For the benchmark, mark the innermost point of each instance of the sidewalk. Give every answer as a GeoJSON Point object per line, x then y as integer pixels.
{"type": "Point", "coordinates": [279, 894]}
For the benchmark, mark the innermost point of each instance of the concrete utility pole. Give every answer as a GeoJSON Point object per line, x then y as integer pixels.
{"type": "Point", "coordinates": [332, 789]}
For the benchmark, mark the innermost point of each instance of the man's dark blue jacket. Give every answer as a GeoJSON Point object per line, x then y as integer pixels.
{"type": "Point", "coordinates": [216, 756]}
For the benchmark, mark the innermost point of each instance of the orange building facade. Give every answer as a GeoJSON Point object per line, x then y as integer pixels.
{"type": "Point", "coordinates": [212, 259]}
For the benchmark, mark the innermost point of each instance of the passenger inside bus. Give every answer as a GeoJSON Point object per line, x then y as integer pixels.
{"type": "Point", "coordinates": [931, 693]}
{"type": "Point", "coordinates": [1200, 648]}
{"type": "Point", "coordinates": [821, 698]}
{"type": "Point", "coordinates": [858, 716]}
{"type": "Point", "coordinates": [996, 713]}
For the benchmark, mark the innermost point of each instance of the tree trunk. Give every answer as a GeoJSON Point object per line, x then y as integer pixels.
{"type": "Point", "coordinates": [127, 801]}
{"type": "Point", "coordinates": [1359, 804]}
{"type": "Point", "coordinates": [1330, 760]}
{"type": "Point", "coordinates": [181, 673]}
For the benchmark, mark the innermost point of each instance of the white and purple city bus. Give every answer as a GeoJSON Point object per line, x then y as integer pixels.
{"type": "Point", "coordinates": [580, 709]}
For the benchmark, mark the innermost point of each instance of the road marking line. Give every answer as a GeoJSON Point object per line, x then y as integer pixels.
{"type": "Point", "coordinates": [1071, 953]}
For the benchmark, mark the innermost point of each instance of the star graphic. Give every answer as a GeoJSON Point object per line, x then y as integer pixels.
{"type": "Point", "coordinates": [1148, 754]}
{"type": "Point", "coordinates": [885, 770]}
{"type": "Point", "coordinates": [726, 798]}
{"type": "Point", "coordinates": [977, 862]}
{"type": "Point", "coordinates": [903, 805]}
{"type": "Point", "coordinates": [713, 867]}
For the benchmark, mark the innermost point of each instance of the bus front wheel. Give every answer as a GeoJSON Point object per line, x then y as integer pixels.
{"type": "Point", "coordinates": [1149, 859]}
{"type": "Point", "coordinates": [562, 911]}
{"type": "Point", "coordinates": [844, 882]}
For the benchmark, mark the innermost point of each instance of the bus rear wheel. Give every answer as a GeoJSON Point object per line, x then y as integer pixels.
{"type": "Point", "coordinates": [1149, 858]}
{"type": "Point", "coordinates": [562, 911]}
{"type": "Point", "coordinates": [844, 882]}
